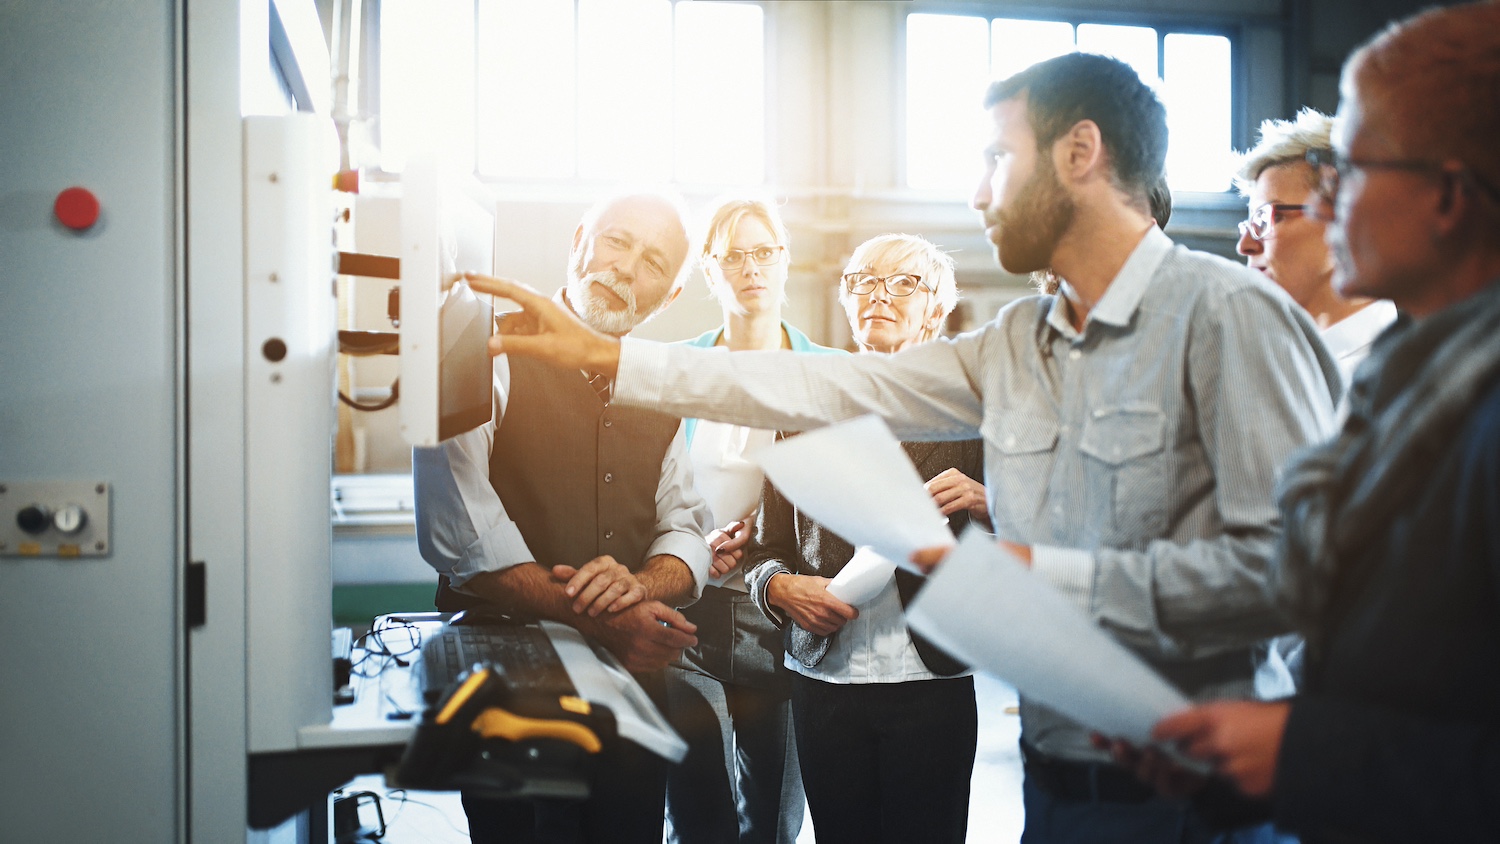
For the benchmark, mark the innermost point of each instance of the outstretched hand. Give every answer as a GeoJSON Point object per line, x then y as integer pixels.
{"type": "Point", "coordinates": [545, 330]}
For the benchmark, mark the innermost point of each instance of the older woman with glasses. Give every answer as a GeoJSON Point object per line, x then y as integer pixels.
{"type": "Point", "coordinates": [728, 696]}
{"type": "Point", "coordinates": [885, 723]}
{"type": "Point", "coordinates": [1283, 239]}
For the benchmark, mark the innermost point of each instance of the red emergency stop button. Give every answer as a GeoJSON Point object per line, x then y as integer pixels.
{"type": "Point", "coordinates": [77, 208]}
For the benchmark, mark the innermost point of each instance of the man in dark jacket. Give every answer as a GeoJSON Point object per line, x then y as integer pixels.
{"type": "Point", "coordinates": [1392, 557]}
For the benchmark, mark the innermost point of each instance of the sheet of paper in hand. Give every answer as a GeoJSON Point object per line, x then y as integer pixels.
{"type": "Point", "coordinates": [984, 607]}
{"type": "Point", "coordinates": [863, 578]}
{"type": "Point", "coordinates": [855, 480]}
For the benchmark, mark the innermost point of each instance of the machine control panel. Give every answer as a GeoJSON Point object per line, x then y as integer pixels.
{"type": "Point", "coordinates": [54, 518]}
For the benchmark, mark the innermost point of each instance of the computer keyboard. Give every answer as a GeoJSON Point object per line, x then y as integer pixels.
{"type": "Point", "coordinates": [521, 653]}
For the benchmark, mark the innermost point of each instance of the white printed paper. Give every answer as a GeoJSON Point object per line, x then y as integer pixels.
{"type": "Point", "coordinates": [987, 609]}
{"type": "Point", "coordinates": [862, 578]}
{"type": "Point", "coordinates": [854, 479]}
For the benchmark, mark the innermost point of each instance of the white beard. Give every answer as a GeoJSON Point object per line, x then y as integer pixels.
{"type": "Point", "coordinates": [594, 311]}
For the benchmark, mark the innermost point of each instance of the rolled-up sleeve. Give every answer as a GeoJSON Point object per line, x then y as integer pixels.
{"type": "Point", "coordinates": [462, 527]}
{"type": "Point", "coordinates": [682, 517]}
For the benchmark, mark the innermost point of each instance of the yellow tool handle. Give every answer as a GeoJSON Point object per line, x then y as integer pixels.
{"type": "Point", "coordinates": [498, 723]}
{"type": "Point", "coordinates": [461, 695]}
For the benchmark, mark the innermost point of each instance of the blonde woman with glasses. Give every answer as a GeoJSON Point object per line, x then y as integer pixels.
{"type": "Point", "coordinates": [728, 696]}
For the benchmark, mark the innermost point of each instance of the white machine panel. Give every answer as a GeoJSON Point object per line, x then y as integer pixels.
{"type": "Point", "coordinates": [290, 315]}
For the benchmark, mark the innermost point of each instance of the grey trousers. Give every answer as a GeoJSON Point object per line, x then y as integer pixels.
{"type": "Point", "coordinates": [729, 698]}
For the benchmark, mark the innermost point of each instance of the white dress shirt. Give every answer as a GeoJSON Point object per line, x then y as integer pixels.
{"type": "Point", "coordinates": [1350, 338]}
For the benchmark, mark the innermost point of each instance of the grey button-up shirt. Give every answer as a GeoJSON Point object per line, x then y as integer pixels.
{"type": "Point", "coordinates": [1137, 456]}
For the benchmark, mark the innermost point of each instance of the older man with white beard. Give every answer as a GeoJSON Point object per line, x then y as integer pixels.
{"type": "Point", "coordinates": [570, 508]}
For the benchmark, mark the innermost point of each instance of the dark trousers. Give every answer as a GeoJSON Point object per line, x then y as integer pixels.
{"type": "Point", "coordinates": [1085, 803]}
{"type": "Point", "coordinates": [728, 698]}
{"type": "Point", "coordinates": [886, 761]}
{"type": "Point", "coordinates": [627, 796]}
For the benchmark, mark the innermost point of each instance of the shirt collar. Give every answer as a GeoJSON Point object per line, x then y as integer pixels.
{"type": "Point", "coordinates": [1123, 296]}
{"type": "Point", "coordinates": [1355, 332]}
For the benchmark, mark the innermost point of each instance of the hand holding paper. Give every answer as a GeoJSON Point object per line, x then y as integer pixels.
{"type": "Point", "coordinates": [989, 611]}
{"type": "Point", "coordinates": [862, 578]}
{"type": "Point", "coordinates": [855, 480]}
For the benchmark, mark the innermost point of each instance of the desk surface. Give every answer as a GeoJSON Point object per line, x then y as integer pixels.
{"type": "Point", "coordinates": [388, 701]}
{"type": "Point", "coordinates": [387, 698]}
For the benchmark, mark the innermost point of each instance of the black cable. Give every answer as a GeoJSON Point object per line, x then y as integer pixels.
{"type": "Point", "coordinates": [384, 644]}
{"type": "Point", "coordinates": [380, 405]}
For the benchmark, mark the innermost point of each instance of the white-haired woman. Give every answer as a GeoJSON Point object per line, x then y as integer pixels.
{"type": "Point", "coordinates": [729, 696]}
{"type": "Point", "coordinates": [885, 722]}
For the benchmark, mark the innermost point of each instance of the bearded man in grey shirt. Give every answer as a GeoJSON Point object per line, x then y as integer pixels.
{"type": "Point", "coordinates": [1131, 422]}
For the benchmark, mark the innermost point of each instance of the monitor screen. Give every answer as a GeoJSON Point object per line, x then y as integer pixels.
{"type": "Point", "coordinates": [447, 228]}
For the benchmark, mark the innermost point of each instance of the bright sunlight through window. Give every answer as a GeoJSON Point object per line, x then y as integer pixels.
{"type": "Point", "coordinates": [946, 54]}
{"type": "Point", "coordinates": [427, 82]}
{"type": "Point", "coordinates": [638, 90]}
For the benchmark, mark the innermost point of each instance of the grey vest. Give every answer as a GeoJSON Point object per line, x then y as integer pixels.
{"type": "Point", "coordinates": [577, 476]}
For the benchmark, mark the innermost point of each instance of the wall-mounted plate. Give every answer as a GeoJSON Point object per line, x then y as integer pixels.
{"type": "Point", "coordinates": [54, 519]}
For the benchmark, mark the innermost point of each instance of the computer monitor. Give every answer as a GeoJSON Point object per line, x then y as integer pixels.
{"type": "Point", "coordinates": [447, 228]}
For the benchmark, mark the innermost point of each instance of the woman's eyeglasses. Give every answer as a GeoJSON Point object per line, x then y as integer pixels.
{"type": "Point", "coordinates": [1263, 220]}
{"type": "Point", "coordinates": [766, 256]}
{"type": "Point", "coordinates": [900, 284]}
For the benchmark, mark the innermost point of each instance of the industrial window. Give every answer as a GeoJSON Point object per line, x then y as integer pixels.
{"type": "Point", "coordinates": [648, 90]}
{"type": "Point", "coordinates": [951, 58]}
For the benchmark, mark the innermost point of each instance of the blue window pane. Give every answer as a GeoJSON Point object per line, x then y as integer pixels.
{"type": "Point", "coordinates": [625, 89]}
{"type": "Point", "coordinates": [426, 82]}
{"type": "Point", "coordinates": [1133, 45]}
{"type": "Point", "coordinates": [1019, 44]}
{"type": "Point", "coordinates": [720, 93]}
{"type": "Point", "coordinates": [525, 103]}
{"type": "Point", "coordinates": [1197, 92]}
{"type": "Point", "coordinates": [947, 70]}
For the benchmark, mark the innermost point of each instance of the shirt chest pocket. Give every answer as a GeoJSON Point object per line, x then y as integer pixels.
{"type": "Point", "coordinates": [1128, 447]}
{"type": "Point", "coordinates": [1021, 448]}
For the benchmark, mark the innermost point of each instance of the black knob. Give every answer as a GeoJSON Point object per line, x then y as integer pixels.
{"type": "Point", "coordinates": [33, 519]}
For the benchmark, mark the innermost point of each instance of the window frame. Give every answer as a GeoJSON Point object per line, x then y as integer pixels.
{"type": "Point", "coordinates": [369, 105]}
{"type": "Point", "coordinates": [1228, 25]}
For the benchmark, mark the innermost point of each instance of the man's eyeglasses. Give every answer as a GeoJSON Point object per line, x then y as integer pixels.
{"type": "Point", "coordinates": [1263, 220]}
{"type": "Point", "coordinates": [900, 284]}
{"type": "Point", "coordinates": [733, 259]}
{"type": "Point", "coordinates": [1333, 168]}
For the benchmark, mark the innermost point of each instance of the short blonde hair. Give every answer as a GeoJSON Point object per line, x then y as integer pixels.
{"type": "Point", "coordinates": [1285, 142]}
{"type": "Point", "coordinates": [909, 250]}
{"type": "Point", "coordinates": [726, 218]}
